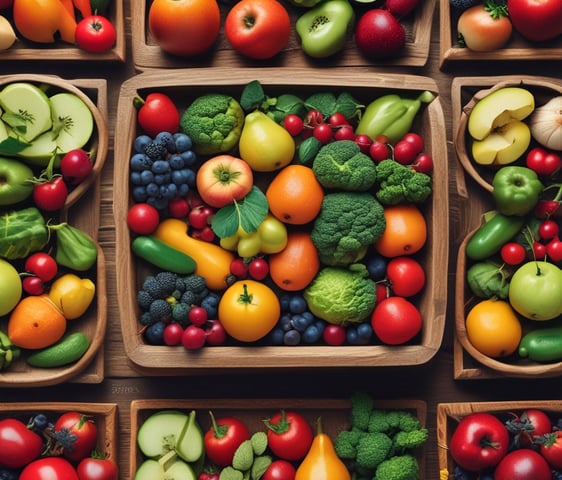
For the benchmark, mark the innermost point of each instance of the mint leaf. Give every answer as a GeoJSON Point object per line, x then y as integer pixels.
{"type": "Point", "coordinates": [325, 103]}
{"type": "Point", "coordinates": [347, 105]}
{"type": "Point", "coordinates": [248, 213]}
{"type": "Point", "coordinates": [11, 146]}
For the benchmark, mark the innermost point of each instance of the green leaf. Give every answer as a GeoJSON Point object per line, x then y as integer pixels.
{"type": "Point", "coordinates": [347, 105]}
{"type": "Point", "coordinates": [324, 102]}
{"type": "Point", "coordinates": [289, 103]}
{"type": "Point", "coordinates": [252, 96]}
{"type": "Point", "coordinates": [308, 149]}
{"type": "Point", "coordinates": [11, 146]}
{"type": "Point", "coordinates": [248, 213]}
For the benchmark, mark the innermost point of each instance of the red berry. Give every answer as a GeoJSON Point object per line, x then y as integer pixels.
{"type": "Point", "coordinates": [193, 337]}
{"type": "Point", "coordinates": [364, 142]}
{"type": "Point", "coordinates": [33, 285]}
{"type": "Point", "coordinates": [173, 334]}
{"type": "Point", "coordinates": [323, 133]}
{"type": "Point", "coordinates": [215, 333]}
{"type": "Point", "coordinates": [334, 335]}
{"type": "Point", "coordinates": [197, 316]}
{"type": "Point", "coordinates": [258, 268]}
{"type": "Point", "coordinates": [178, 207]}
{"type": "Point", "coordinates": [344, 133]}
{"type": "Point", "coordinates": [239, 268]}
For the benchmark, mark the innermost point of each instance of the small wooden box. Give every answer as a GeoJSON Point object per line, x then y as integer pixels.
{"type": "Point", "coordinates": [82, 211]}
{"type": "Point", "coordinates": [183, 85]}
{"type": "Point", "coordinates": [334, 414]}
{"type": "Point", "coordinates": [147, 53]}
{"type": "Point", "coordinates": [517, 48]}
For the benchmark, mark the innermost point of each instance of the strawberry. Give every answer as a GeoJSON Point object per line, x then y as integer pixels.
{"type": "Point", "coordinates": [401, 8]}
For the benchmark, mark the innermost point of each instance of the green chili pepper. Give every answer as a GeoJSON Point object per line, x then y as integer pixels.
{"type": "Point", "coordinates": [391, 115]}
{"type": "Point", "coordinates": [74, 248]}
{"type": "Point", "coordinates": [516, 190]}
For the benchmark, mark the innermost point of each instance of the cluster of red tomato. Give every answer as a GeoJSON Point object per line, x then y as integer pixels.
{"type": "Point", "coordinates": [62, 450]}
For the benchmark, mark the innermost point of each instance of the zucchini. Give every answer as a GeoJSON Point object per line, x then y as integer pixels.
{"type": "Point", "coordinates": [491, 235]}
{"type": "Point", "coordinates": [542, 344]}
{"type": "Point", "coordinates": [22, 232]}
{"type": "Point", "coordinates": [162, 255]}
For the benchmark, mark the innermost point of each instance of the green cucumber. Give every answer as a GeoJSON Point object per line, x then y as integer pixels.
{"type": "Point", "coordinates": [162, 255]}
{"type": "Point", "coordinates": [68, 350]}
{"type": "Point", "coordinates": [542, 344]}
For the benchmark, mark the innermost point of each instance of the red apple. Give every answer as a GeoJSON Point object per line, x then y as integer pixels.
{"type": "Point", "coordinates": [379, 35]}
{"type": "Point", "coordinates": [536, 20]}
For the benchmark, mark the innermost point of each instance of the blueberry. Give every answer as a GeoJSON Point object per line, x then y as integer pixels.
{"type": "Point", "coordinates": [276, 335]}
{"type": "Point", "coordinates": [152, 189]}
{"type": "Point", "coordinates": [376, 266]}
{"type": "Point", "coordinates": [183, 189]}
{"type": "Point", "coordinates": [297, 304]}
{"type": "Point", "coordinates": [138, 162]}
{"type": "Point", "coordinates": [160, 166]}
{"type": "Point", "coordinates": [139, 194]}
{"type": "Point", "coordinates": [176, 162]}
{"type": "Point", "coordinates": [312, 334]}
{"type": "Point", "coordinates": [190, 177]}
{"type": "Point", "coordinates": [300, 322]}
{"type": "Point", "coordinates": [183, 142]}
{"type": "Point", "coordinates": [136, 178]}
{"type": "Point", "coordinates": [146, 177]}
{"type": "Point", "coordinates": [179, 177]}
{"type": "Point", "coordinates": [40, 421]}
{"type": "Point", "coordinates": [351, 335]}
{"type": "Point", "coordinates": [154, 334]}
{"type": "Point", "coordinates": [189, 158]}
{"type": "Point", "coordinates": [364, 331]}
{"type": "Point", "coordinates": [291, 338]}
{"type": "Point", "coordinates": [284, 302]}
{"type": "Point", "coordinates": [141, 142]}
{"type": "Point", "coordinates": [167, 139]}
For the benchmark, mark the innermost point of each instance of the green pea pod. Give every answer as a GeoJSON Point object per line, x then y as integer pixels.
{"type": "Point", "coordinates": [22, 232]}
{"type": "Point", "coordinates": [542, 344]}
{"type": "Point", "coordinates": [75, 249]}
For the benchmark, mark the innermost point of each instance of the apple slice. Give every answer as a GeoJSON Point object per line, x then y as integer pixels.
{"type": "Point", "coordinates": [26, 109]}
{"type": "Point", "coordinates": [504, 145]}
{"type": "Point", "coordinates": [150, 469]}
{"type": "Point", "coordinates": [160, 432]}
{"type": "Point", "coordinates": [190, 445]}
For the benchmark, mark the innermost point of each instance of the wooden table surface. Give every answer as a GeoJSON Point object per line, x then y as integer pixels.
{"type": "Point", "coordinates": [432, 382]}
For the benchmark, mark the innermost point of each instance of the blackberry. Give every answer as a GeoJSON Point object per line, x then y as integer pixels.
{"type": "Point", "coordinates": [461, 5]}
{"type": "Point", "coordinates": [155, 150]}
{"type": "Point", "coordinates": [195, 283]}
{"type": "Point", "coordinates": [146, 318]}
{"type": "Point", "coordinates": [167, 281]}
{"type": "Point", "coordinates": [153, 287]}
{"type": "Point", "coordinates": [160, 310]}
{"type": "Point", "coordinates": [166, 139]}
{"type": "Point", "coordinates": [188, 297]}
{"type": "Point", "coordinates": [144, 299]}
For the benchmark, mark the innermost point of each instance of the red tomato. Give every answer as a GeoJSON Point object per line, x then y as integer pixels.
{"type": "Point", "coordinates": [18, 444]}
{"type": "Point", "coordinates": [223, 438]}
{"type": "Point", "coordinates": [95, 34]}
{"type": "Point", "coordinates": [186, 28]}
{"type": "Point", "coordinates": [554, 250]}
{"type": "Point", "coordinates": [522, 464]}
{"type": "Point", "coordinates": [483, 29]}
{"type": "Point", "coordinates": [84, 435]}
{"type": "Point", "coordinates": [539, 420]}
{"type": "Point", "coordinates": [50, 195]}
{"type": "Point", "coordinates": [543, 162]}
{"type": "Point", "coordinates": [76, 166]}
{"type": "Point", "coordinates": [406, 276]}
{"type": "Point", "coordinates": [143, 218]}
{"type": "Point", "coordinates": [6, 4]}
{"type": "Point", "coordinates": [536, 20]}
{"type": "Point", "coordinates": [513, 253]}
{"type": "Point", "coordinates": [551, 450]}
{"type": "Point", "coordinates": [49, 468]}
{"type": "Point", "coordinates": [259, 29]}
{"type": "Point", "coordinates": [289, 435]}
{"type": "Point", "coordinates": [280, 470]}
{"type": "Point", "coordinates": [479, 441]}
{"type": "Point", "coordinates": [395, 320]}
{"type": "Point", "coordinates": [158, 113]}
{"type": "Point", "coordinates": [223, 179]}
{"type": "Point", "coordinates": [42, 265]}
{"type": "Point", "coordinates": [94, 468]}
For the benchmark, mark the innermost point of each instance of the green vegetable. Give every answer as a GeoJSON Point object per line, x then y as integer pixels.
{"type": "Point", "coordinates": [372, 449]}
{"type": "Point", "coordinates": [259, 442]}
{"type": "Point", "coordinates": [403, 467]}
{"type": "Point", "coordinates": [67, 350]}
{"type": "Point", "coordinates": [341, 295]}
{"type": "Point", "coordinates": [22, 232]}
{"type": "Point", "coordinates": [346, 443]}
{"type": "Point", "coordinates": [361, 409]}
{"type": "Point", "coordinates": [348, 223]}
{"type": "Point", "coordinates": [160, 254]}
{"type": "Point", "coordinates": [399, 183]}
{"type": "Point", "coordinates": [542, 344]}
{"type": "Point", "coordinates": [492, 234]}
{"type": "Point", "coordinates": [243, 456]}
{"type": "Point", "coordinates": [308, 149]}
{"type": "Point", "coordinates": [214, 122]}
{"type": "Point", "coordinates": [487, 279]}
{"type": "Point", "coordinates": [408, 440]}
{"type": "Point", "coordinates": [327, 103]}
{"type": "Point", "coordinates": [75, 249]}
{"type": "Point", "coordinates": [342, 165]}
{"type": "Point", "coordinates": [391, 115]}
{"type": "Point", "coordinates": [516, 190]}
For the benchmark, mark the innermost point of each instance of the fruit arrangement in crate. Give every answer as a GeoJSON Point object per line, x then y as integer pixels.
{"type": "Point", "coordinates": [500, 440]}
{"type": "Point", "coordinates": [53, 143]}
{"type": "Point", "coordinates": [509, 279]}
{"type": "Point", "coordinates": [58, 440]}
{"type": "Point", "coordinates": [271, 439]}
{"type": "Point", "coordinates": [274, 228]}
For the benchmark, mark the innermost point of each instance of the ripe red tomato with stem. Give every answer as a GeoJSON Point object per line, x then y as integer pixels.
{"type": "Point", "coordinates": [49, 468]}
{"type": "Point", "coordinates": [157, 113]}
{"type": "Point", "coordinates": [97, 467]}
{"type": "Point", "coordinates": [79, 432]}
{"type": "Point", "coordinates": [405, 275]}
{"type": "Point", "coordinates": [536, 20]}
{"type": "Point", "coordinates": [95, 34]}
{"type": "Point", "coordinates": [551, 448]}
{"type": "Point", "coordinates": [289, 435]}
{"type": "Point", "coordinates": [20, 445]}
{"type": "Point", "coordinates": [223, 438]}
{"type": "Point", "coordinates": [50, 195]}
{"type": "Point", "coordinates": [538, 420]}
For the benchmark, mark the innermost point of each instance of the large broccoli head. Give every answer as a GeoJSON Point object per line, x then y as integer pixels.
{"type": "Point", "coordinates": [342, 165]}
{"type": "Point", "coordinates": [341, 295]}
{"type": "Point", "coordinates": [214, 122]}
{"type": "Point", "coordinates": [347, 224]}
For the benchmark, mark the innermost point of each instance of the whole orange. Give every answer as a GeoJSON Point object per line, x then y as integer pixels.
{"type": "Point", "coordinates": [185, 28]}
{"type": "Point", "coordinates": [405, 232]}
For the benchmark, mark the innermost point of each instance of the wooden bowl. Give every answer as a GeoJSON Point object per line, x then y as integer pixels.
{"type": "Point", "coordinates": [450, 414]}
{"type": "Point", "coordinates": [82, 211]}
{"type": "Point", "coordinates": [334, 414]}
{"type": "Point", "coordinates": [183, 85]}
{"type": "Point", "coordinates": [59, 51]}
{"type": "Point", "coordinates": [517, 49]}
{"type": "Point", "coordinates": [467, 91]}
{"type": "Point", "coordinates": [104, 416]}
{"type": "Point", "coordinates": [147, 53]}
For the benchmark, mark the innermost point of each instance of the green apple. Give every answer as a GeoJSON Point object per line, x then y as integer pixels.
{"type": "Point", "coordinates": [535, 290]}
{"type": "Point", "coordinates": [10, 286]}
{"type": "Point", "coordinates": [15, 184]}
{"type": "Point", "coordinates": [498, 108]}
{"type": "Point", "coordinates": [504, 145]}
{"type": "Point", "coordinates": [26, 109]}
{"type": "Point", "coordinates": [151, 469]}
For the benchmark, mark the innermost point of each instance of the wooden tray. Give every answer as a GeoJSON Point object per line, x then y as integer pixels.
{"type": "Point", "coordinates": [185, 84]}
{"type": "Point", "coordinates": [449, 414]}
{"type": "Point", "coordinates": [516, 49]}
{"type": "Point", "coordinates": [103, 414]}
{"type": "Point", "coordinates": [334, 413]}
{"type": "Point", "coordinates": [147, 53]}
{"type": "Point", "coordinates": [60, 51]}
{"type": "Point", "coordinates": [81, 211]}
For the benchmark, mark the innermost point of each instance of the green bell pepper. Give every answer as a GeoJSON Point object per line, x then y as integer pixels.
{"type": "Point", "coordinates": [516, 190]}
{"type": "Point", "coordinates": [324, 28]}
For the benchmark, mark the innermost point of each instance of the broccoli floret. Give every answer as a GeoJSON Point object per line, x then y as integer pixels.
{"type": "Point", "coordinates": [342, 165]}
{"type": "Point", "coordinates": [378, 421]}
{"type": "Point", "coordinates": [409, 422]}
{"type": "Point", "coordinates": [347, 224]}
{"type": "Point", "coordinates": [195, 283]}
{"type": "Point", "coordinates": [361, 408]}
{"type": "Point", "coordinates": [144, 299]}
{"type": "Point", "coordinates": [409, 440]}
{"type": "Point", "coordinates": [214, 123]}
{"type": "Point", "coordinates": [167, 281]}
{"type": "Point", "coordinates": [180, 313]}
{"type": "Point", "coordinates": [188, 297]}
{"type": "Point", "coordinates": [153, 287]}
{"type": "Point", "coordinates": [160, 310]}
{"type": "Point", "coordinates": [402, 467]}
{"type": "Point", "coordinates": [372, 449]}
{"type": "Point", "coordinates": [399, 183]}
{"type": "Point", "coordinates": [346, 442]}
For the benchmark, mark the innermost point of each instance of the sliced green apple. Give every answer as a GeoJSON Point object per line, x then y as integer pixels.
{"type": "Point", "coordinates": [498, 108]}
{"type": "Point", "coordinates": [149, 469]}
{"type": "Point", "coordinates": [179, 470]}
{"type": "Point", "coordinates": [160, 432]}
{"type": "Point", "coordinates": [504, 145]}
{"type": "Point", "coordinates": [190, 445]}
{"type": "Point", "coordinates": [26, 109]}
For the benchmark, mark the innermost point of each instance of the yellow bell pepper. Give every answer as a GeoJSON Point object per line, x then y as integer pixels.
{"type": "Point", "coordinates": [72, 295]}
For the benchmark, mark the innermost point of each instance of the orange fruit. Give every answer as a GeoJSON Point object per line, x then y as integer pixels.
{"type": "Point", "coordinates": [405, 232]}
{"type": "Point", "coordinates": [295, 195]}
{"type": "Point", "coordinates": [294, 267]}
{"type": "Point", "coordinates": [36, 323]}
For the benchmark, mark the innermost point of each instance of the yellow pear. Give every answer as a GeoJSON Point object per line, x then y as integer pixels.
{"type": "Point", "coordinates": [7, 34]}
{"type": "Point", "coordinates": [264, 144]}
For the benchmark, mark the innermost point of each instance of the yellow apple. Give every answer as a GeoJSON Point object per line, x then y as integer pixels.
{"type": "Point", "coordinates": [504, 145]}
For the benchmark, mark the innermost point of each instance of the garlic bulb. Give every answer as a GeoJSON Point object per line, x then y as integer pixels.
{"type": "Point", "coordinates": [7, 34]}
{"type": "Point", "coordinates": [546, 124]}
